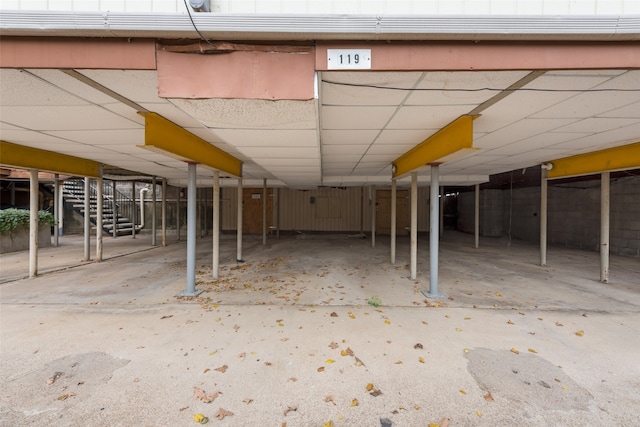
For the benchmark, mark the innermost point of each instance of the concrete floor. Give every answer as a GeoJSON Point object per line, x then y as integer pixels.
{"type": "Point", "coordinates": [289, 338]}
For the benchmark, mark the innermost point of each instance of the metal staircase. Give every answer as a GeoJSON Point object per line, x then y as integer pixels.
{"type": "Point", "coordinates": [114, 206]}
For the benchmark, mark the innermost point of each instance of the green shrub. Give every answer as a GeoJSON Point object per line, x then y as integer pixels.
{"type": "Point", "coordinates": [12, 218]}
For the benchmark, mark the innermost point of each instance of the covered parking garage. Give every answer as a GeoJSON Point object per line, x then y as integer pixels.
{"type": "Point", "coordinates": [259, 116]}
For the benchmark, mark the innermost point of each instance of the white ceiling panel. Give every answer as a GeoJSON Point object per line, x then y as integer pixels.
{"type": "Point", "coordinates": [404, 136]}
{"type": "Point", "coordinates": [356, 117]}
{"type": "Point", "coordinates": [84, 117]}
{"type": "Point", "coordinates": [346, 137]}
{"type": "Point", "coordinates": [518, 131]}
{"type": "Point", "coordinates": [627, 111]}
{"type": "Point", "coordinates": [72, 86]}
{"type": "Point", "coordinates": [589, 104]}
{"type": "Point", "coordinates": [267, 152]}
{"type": "Point", "coordinates": [21, 88]}
{"type": "Point", "coordinates": [329, 150]}
{"type": "Point", "coordinates": [422, 118]}
{"type": "Point", "coordinates": [596, 125]}
{"type": "Point", "coordinates": [137, 85]}
{"type": "Point", "coordinates": [243, 138]}
{"type": "Point", "coordinates": [390, 149]}
{"type": "Point", "coordinates": [115, 138]}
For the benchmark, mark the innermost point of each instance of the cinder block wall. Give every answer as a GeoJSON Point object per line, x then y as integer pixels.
{"type": "Point", "coordinates": [573, 214]}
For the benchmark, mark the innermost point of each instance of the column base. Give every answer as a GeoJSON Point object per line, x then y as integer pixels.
{"type": "Point", "coordinates": [190, 294]}
{"type": "Point", "coordinates": [434, 296]}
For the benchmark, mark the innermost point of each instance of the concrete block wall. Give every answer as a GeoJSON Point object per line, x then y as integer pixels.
{"type": "Point", "coordinates": [573, 214]}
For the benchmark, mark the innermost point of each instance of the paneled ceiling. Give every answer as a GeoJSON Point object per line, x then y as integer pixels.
{"type": "Point", "coordinates": [349, 135]}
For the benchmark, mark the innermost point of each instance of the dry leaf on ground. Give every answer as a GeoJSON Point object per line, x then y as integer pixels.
{"type": "Point", "coordinates": [488, 397]}
{"type": "Point", "coordinates": [66, 395]}
{"type": "Point", "coordinates": [418, 346]}
{"type": "Point", "coordinates": [290, 409]}
{"type": "Point", "coordinates": [222, 369]}
{"type": "Point", "coordinates": [223, 413]}
{"type": "Point", "coordinates": [333, 345]}
{"type": "Point", "coordinates": [199, 393]}
{"type": "Point", "coordinates": [513, 350]}
{"type": "Point", "coordinates": [580, 333]}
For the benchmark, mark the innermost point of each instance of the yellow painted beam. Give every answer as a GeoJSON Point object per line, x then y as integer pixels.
{"type": "Point", "coordinates": [451, 140]}
{"type": "Point", "coordinates": [611, 159]}
{"type": "Point", "coordinates": [23, 157]}
{"type": "Point", "coordinates": [164, 136]}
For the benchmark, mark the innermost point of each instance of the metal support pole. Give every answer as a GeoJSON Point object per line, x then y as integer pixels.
{"type": "Point", "coordinates": [153, 211]}
{"type": "Point", "coordinates": [278, 213]}
{"type": "Point", "coordinates": [133, 209]}
{"type": "Point", "coordinates": [393, 221]}
{"type": "Point", "coordinates": [60, 204]}
{"type": "Point", "coordinates": [34, 198]}
{"type": "Point", "coordinates": [164, 212]}
{"type": "Point", "coordinates": [441, 210]}
{"type": "Point", "coordinates": [373, 216]}
{"type": "Point", "coordinates": [87, 219]}
{"type": "Point", "coordinates": [414, 225]}
{"type": "Point", "coordinates": [178, 212]}
{"type": "Point", "coordinates": [114, 200]}
{"type": "Point", "coordinates": [264, 211]}
{"type": "Point", "coordinates": [476, 216]}
{"type": "Point", "coordinates": [543, 217]}
{"type": "Point", "coordinates": [239, 223]}
{"type": "Point", "coordinates": [191, 234]}
{"type": "Point", "coordinates": [56, 211]}
{"type": "Point", "coordinates": [99, 214]}
{"type": "Point", "coordinates": [433, 234]}
{"type": "Point", "coordinates": [216, 224]}
{"type": "Point", "coordinates": [605, 201]}
{"type": "Point", "coordinates": [362, 211]}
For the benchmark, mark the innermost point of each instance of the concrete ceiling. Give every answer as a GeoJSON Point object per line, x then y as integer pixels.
{"type": "Point", "coordinates": [349, 135]}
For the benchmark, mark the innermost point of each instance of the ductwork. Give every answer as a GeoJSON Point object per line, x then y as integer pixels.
{"type": "Point", "coordinates": [322, 27]}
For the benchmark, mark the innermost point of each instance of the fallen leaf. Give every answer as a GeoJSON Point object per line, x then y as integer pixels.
{"type": "Point", "coordinates": [509, 322]}
{"type": "Point", "coordinates": [201, 419]}
{"type": "Point", "coordinates": [418, 346]}
{"type": "Point", "coordinates": [532, 351]}
{"type": "Point", "coordinates": [565, 388]}
{"type": "Point", "coordinates": [488, 397]}
{"type": "Point", "coordinates": [540, 318]}
{"type": "Point", "coordinates": [467, 318]}
{"type": "Point", "coordinates": [351, 315]}
{"type": "Point", "coordinates": [199, 393]}
{"type": "Point", "coordinates": [206, 370]}
{"type": "Point", "coordinates": [354, 402]}
{"type": "Point", "coordinates": [559, 324]}
{"type": "Point", "coordinates": [421, 359]}
{"type": "Point", "coordinates": [329, 399]}
{"type": "Point", "coordinates": [334, 314]}
{"type": "Point", "coordinates": [166, 316]}
{"type": "Point", "coordinates": [293, 379]}
{"type": "Point", "coordinates": [416, 407]}
{"type": "Point", "coordinates": [284, 339]}
{"type": "Point", "coordinates": [267, 363]}
{"type": "Point", "coordinates": [463, 391]}
{"type": "Point", "coordinates": [222, 369]}
{"type": "Point", "coordinates": [399, 362]}
{"type": "Point", "coordinates": [223, 413]}
{"type": "Point", "coordinates": [321, 369]}
{"type": "Point", "coordinates": [466, 350]}
{"type": "Point", "coordinates": [369, 387]}
{"type": "Point", "coordinates": [290, 409]}
{"type": "Point", "coordinates": [498, 294]}
{"type": "Point", "coordinates": [54, 377]}
{"type": "Point", "coordinates": [66, 395]}
{"type": "Point", "coordinates": [479, 413]}
{"type": "Point", "coordinates": [328, 424]}
{"type": "Point", "coordinates": [242, 355]}
{"type": "Point", "coordinates": [580, 333]}
{"type": "Point", "coordinates": [458, 329]}
{"type": "Point", "coordinates": [329, 361]}
{"type": "Point", "coordinates": [247, 400]}
{"type": "Point", "coordinates": [333, 345]}
{"type": "Point", "coordinates": [513, 350]}
{"type": "Point", "coordinates": [387, 322]}
{"type": "Point", "coordinates": [236, 327]}
{"type": "Point", "coordinates": [375, 393]}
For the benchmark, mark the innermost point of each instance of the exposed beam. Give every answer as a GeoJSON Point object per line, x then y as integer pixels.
{"type": "Point", "coordinates": [611, 159]}
{"type": "Point", "coordinates": [440, 147]}
{"type": "Point", "coordinates": [23, 157]}
{"type": "Point", "coordinates": [165, 137]}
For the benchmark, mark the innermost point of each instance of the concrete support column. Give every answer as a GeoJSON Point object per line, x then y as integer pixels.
{"type": "Point", "coordinates": [239, 223]}
{"type": "Point", "coordinates": [153, 211]}
{"type": "Point", "coordinates": [215, 229]}
{"type": "Point", "coordinates": [264, 211]}
{"type": "Point", "coordinates": [433, 234]}
{"type": "Point", "coordinates": [99, 214]}
{"type": "Point", "coordinates": [87, 219]}
{"type": "Point", "coordinates": [393, 221]}
{"type": "Point", "coordinates": [34, 198]}
{"type": "Point", "coordinates": [373, 216]}
{"type": "Point", "coordinates": [56, 210]}
{"type": "Point", "coordinates": [543, 217]}
{"type": "Point", "coordinates": [191, 234]}
{"type": "Point", "coordinates": [414, 225]}
{"type": "Point", "coordinates": [114, 201]}
{"type": "Point", "coordinates": [278, 213]}
{"type": "Point", "coordinates": [164, 212]}
{"type": "Point", "coordinates": [605, 201]}
{"type": "Point", "coordinates": [476, 215]}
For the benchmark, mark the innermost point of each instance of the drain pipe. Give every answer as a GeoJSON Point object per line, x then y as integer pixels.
{"type": "Point", "coordinates": [142, 191]}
